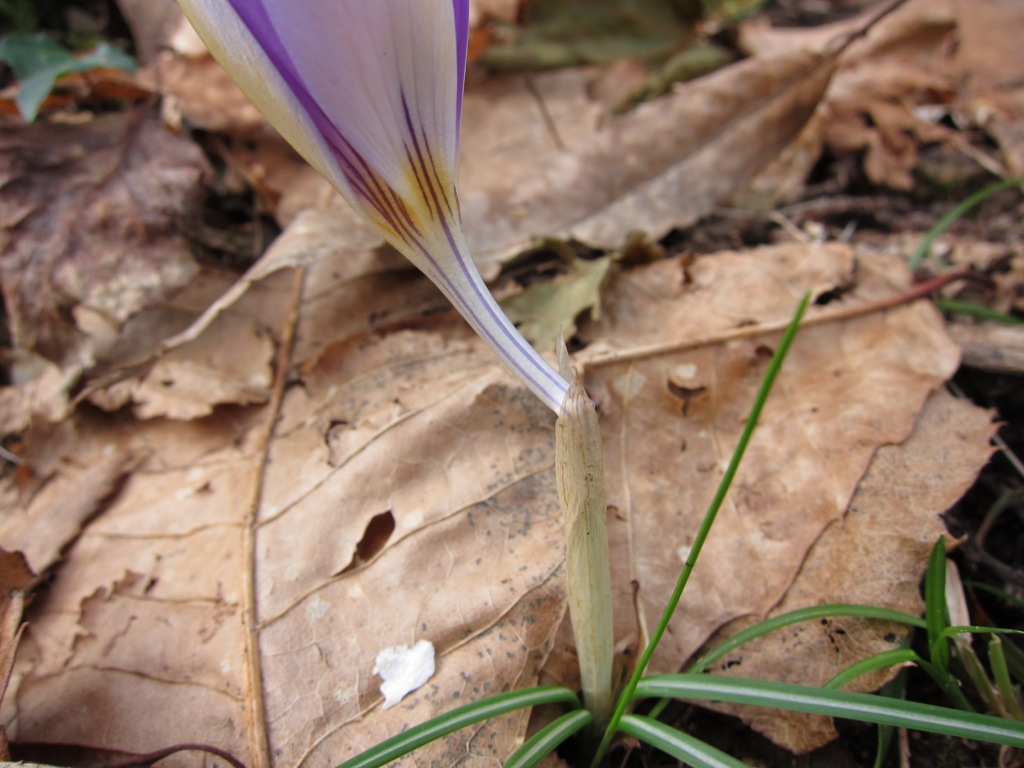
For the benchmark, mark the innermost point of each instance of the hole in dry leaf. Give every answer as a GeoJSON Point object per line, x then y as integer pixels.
{"type": "Point", "coordinates": [376, 535]}
{"type": "Point", "coordinates": [834, 294]}
{"type": "Point", "coordinates": [688, 395]}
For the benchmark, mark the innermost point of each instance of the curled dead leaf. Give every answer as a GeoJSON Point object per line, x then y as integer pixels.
{"type": "Point", "coordinates": [91, 230]}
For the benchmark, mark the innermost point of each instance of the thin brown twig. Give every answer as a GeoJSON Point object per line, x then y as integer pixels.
{"type": "Point", "coordinates": [920, 291]}
{"type": "Point", "coordinates": [255, 705]}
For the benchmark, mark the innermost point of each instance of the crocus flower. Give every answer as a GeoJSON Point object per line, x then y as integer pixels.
{"type": "Point", "coordinates": [370, 93]}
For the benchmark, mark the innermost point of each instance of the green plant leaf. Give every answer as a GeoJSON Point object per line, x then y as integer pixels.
{"type": "Point", "coordinates": [871, 663]}
{"type": "Point", "coordinates": [477, 711]}
{"type": "Point", "coordinates": [774, 366]}
{"type": "Point", "coordinates": [547, 739]}
{"type": "Point", "coordinates": [544, 308]}
{"type": "Point", "coordinates": [1014, 660]}
{"type": "Point", "coordinates": [894, 689]}
{"type": "Point", "coordinates": [38, 61]}
{"type": "Point", "coordinates": [936, 614]}
{"type": "Point", "coordinates": [22, 15]}
{"type": "Point", "coordinates": [976, 310]}
{"type": "Point", "coordinates": [949, 632]}
{"type": "Point", "coordinates": [950, 218]}
{"type": "Point", "coordinates": [681, 746]}
{"type": "Point", "coordinates": [1001, 673]}
{"type": "Point", "coordinates": [865, 707]}
{"type": "Point", "coordinates": [811, 613]}
{"type": "Point", "coordinates": [560, 33]}
{"type": "Point", "coordinates": [29, 54]}
{"type": "Point", "coordinates": [1002, 594]}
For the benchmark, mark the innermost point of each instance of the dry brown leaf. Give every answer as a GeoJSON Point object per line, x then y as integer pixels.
{"type": "Point", "coordinates": [662, 166]}
{"type": "Point", "coordinates": [991, 347]}
{"type": "Point", "coordinates": [229, 364]}
{"type": "Point", "coordinates": [499, 9]}
{"type": "Point", "coordinates": [904, 63]}
{"type": "Point", "coordinates": [91, 227]}
{"type": "Point", "coordinates": [153, 24]}
{"type": "Point", "coordinates": [872, 556]}
{"type": "Point", "coordinates": [15, 573]}
{"type": "Point", "coordinates": [325, 605]}
{"type": "Point", "coordinates": [565, 173]}
{"type": "Point", "coordinates": [198, 92]}
{"type": "Point", "coordinates": [11, 606]}
{"type": "Point", "coordinates": [315, 239]}
{"type": "Point", "coordinates": [988, 50]}
{"type": "Point", "coordinates": [1002, 116]}
{"type": "Point", "coordinates": [988, 59]}
{"type": "Point", "coordinates": [15, 577]}
{"type": "Point", "coordinates": [71, 493]}
{"type": "Point", "coordinates": [407, 492]}
{"type": "Point", "coordinates": [231, 577]}
{"type": "Point", "coordinates": [672, 417]}
{"type": "Point", "coordinates": [40, 389]}
{"type": "Point", "coordinates": [222, 355]}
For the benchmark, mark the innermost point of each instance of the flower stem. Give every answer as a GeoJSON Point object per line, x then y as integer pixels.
{"type": "Point", "coordinates": [579, 472]}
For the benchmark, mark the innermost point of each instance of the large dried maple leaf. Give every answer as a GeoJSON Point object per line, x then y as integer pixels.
{"type": "Point", "coordinates": [398, 487]}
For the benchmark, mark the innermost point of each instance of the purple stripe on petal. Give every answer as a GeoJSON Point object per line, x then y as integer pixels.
{"type": "Point", "coordinates": [499, 319]}
{"type": "Point", "coordinates": [497, 330]}
{"type": "Point", "coordinates": [253, 14]}
{"type": "Point", "coordinates": [424, 168]}
{"type": "Point", "coordinates": [461, 9]}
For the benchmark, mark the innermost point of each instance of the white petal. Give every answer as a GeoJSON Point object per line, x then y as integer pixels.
{"type": "Point", "coordinates": [403, 670]}
{"type": "Point", "coordinates": [359, 59]}
{"type": "Point", "coordinates": [234, 46]}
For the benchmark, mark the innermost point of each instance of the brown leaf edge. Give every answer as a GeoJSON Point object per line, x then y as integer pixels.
{"type": "Point", "coordinates": [16, 578]}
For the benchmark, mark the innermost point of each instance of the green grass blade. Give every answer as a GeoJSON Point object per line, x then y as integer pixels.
{"type": "Point", "coordinates": [894, 689]}
{"type": "Point", "coordinates": [950, 218]}
{"type": "Point", "coordinates": [870, 664]}
{"type": "Point", "coordinates": [865, 707]}
{"type": "Point", "coordinates": [1001, 674]}
{"type": "Point", "coordinates": [547, 739]}
{"type": "Point", "coordinates": [948, 684]}
{"type": "Point", "coordinates": [774, 366]}
{"type": "Point", "coordinates": [944, 680]}
{"type": "Point", "coordinates": [812, 613]}
{"type": "Point", "coordinates": [475, 712]}
{"type": "Point", "coordinates": [1002, 594]}
{"type": "Point", "coordinates": [974, 671]}
{"type": "Point", "coordinates": [976, 310]}
{"type": "Point", "coordinates": [679, 745]}
{"type": "Point", "coordinates": [936, 613]}
{"type": "Point", "coordinates": [949, 632]}
{"type": "Point", "coordinates": [1014, 660]}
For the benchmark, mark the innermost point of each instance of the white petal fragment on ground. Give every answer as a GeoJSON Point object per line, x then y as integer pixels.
{"type": "Point", "coordinates": [403, 670]}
